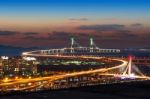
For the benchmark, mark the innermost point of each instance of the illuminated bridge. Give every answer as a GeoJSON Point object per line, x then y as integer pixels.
{"type": "Point", "coordinates": [74, 49]}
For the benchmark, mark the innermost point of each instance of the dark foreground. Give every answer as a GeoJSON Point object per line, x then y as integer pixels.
{"type": "Point", "coordinates": [134, 90]}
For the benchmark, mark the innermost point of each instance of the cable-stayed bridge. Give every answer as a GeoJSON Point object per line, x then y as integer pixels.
{"type": "Point", "coordinates": [130, 71]}
{"type": "Point", "coordinates": [74, 49]}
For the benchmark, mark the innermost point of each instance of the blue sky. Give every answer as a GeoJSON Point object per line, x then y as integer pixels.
{"type": "Point", "coordinates": [75, 8]}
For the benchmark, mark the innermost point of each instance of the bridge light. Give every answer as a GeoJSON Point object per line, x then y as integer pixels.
{"type": "Point", "coordinates": [29, 58]}
{"type": "Point", "coordinates": [5, 57]}
{"type": "Point", "coordinates": [16, 77]}
{"type": "Point", "coordinates": [6, 79]}
{"type": "Point", "coordinates": [24, 53]}
{"type": "Point", "coordinates": [29, 84]}
{"type": "Point", "coordinates": [132, 75]}
{"type": "Point", "coordinates": [29, 77]}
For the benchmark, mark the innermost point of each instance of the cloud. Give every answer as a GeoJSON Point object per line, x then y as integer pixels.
{"type": "Point", "coordinates": [57, 36]}
{"type": "Point", "coordinates": [79, 19]}
{"type": "Point", "coordinates": [49, 36]}
{"type": "Point", "coordinates": [144, 36]}
{"type": "Point", "coordinates": [60, 35]}
{"type": "Point", "coordinates": [67, 35]}
{"type": "Point", "coordinates": [30, 33]}
{"type": "Point", "coordinates": [29, 37]}
{"type": "Point", "coordinates": [118, 35]}
{"type": "Point", "coordinates": [136, 25]}
{"type": "Point", "coordinates": [104, 27]}
{"type": "Point", "coordinates": [124, 36]}
{"type": "Point", "coordinates": [8, 33]}
{"type": "Point", "coordinates": [11, 33]}
{"type": "Point", "coordinates": [117, 38]}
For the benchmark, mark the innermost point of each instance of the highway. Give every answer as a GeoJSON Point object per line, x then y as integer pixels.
{"type": "Point", "coordinates": [56, 77]}
{"type": "Point", "coordinates": [7, 86]}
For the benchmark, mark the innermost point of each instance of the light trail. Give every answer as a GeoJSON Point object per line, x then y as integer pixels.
{"type": "Point", "coordinates": [56, 77]}
{"type": "Point", "coordinates": [62, 76]}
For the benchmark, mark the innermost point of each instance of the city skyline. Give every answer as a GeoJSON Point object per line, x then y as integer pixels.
{"type": "Point", "coordinates": [51, 23]}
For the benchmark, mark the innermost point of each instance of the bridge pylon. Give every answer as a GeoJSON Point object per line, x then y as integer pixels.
{"type": "Point", "coordinates": [128, 68]}
{"type": "Point", "coordinates": [73, 45]}
{"type": "Point", "coordinates": [131, 69]}
{"type": "Point", "coordinates": [92, 45]}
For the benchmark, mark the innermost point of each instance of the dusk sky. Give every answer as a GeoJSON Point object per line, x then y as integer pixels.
{"type": "Point", "coordinates": [51, 23]}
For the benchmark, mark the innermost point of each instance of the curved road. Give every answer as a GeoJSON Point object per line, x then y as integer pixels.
{"type": "Point", "coordinates": [57, 77]}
